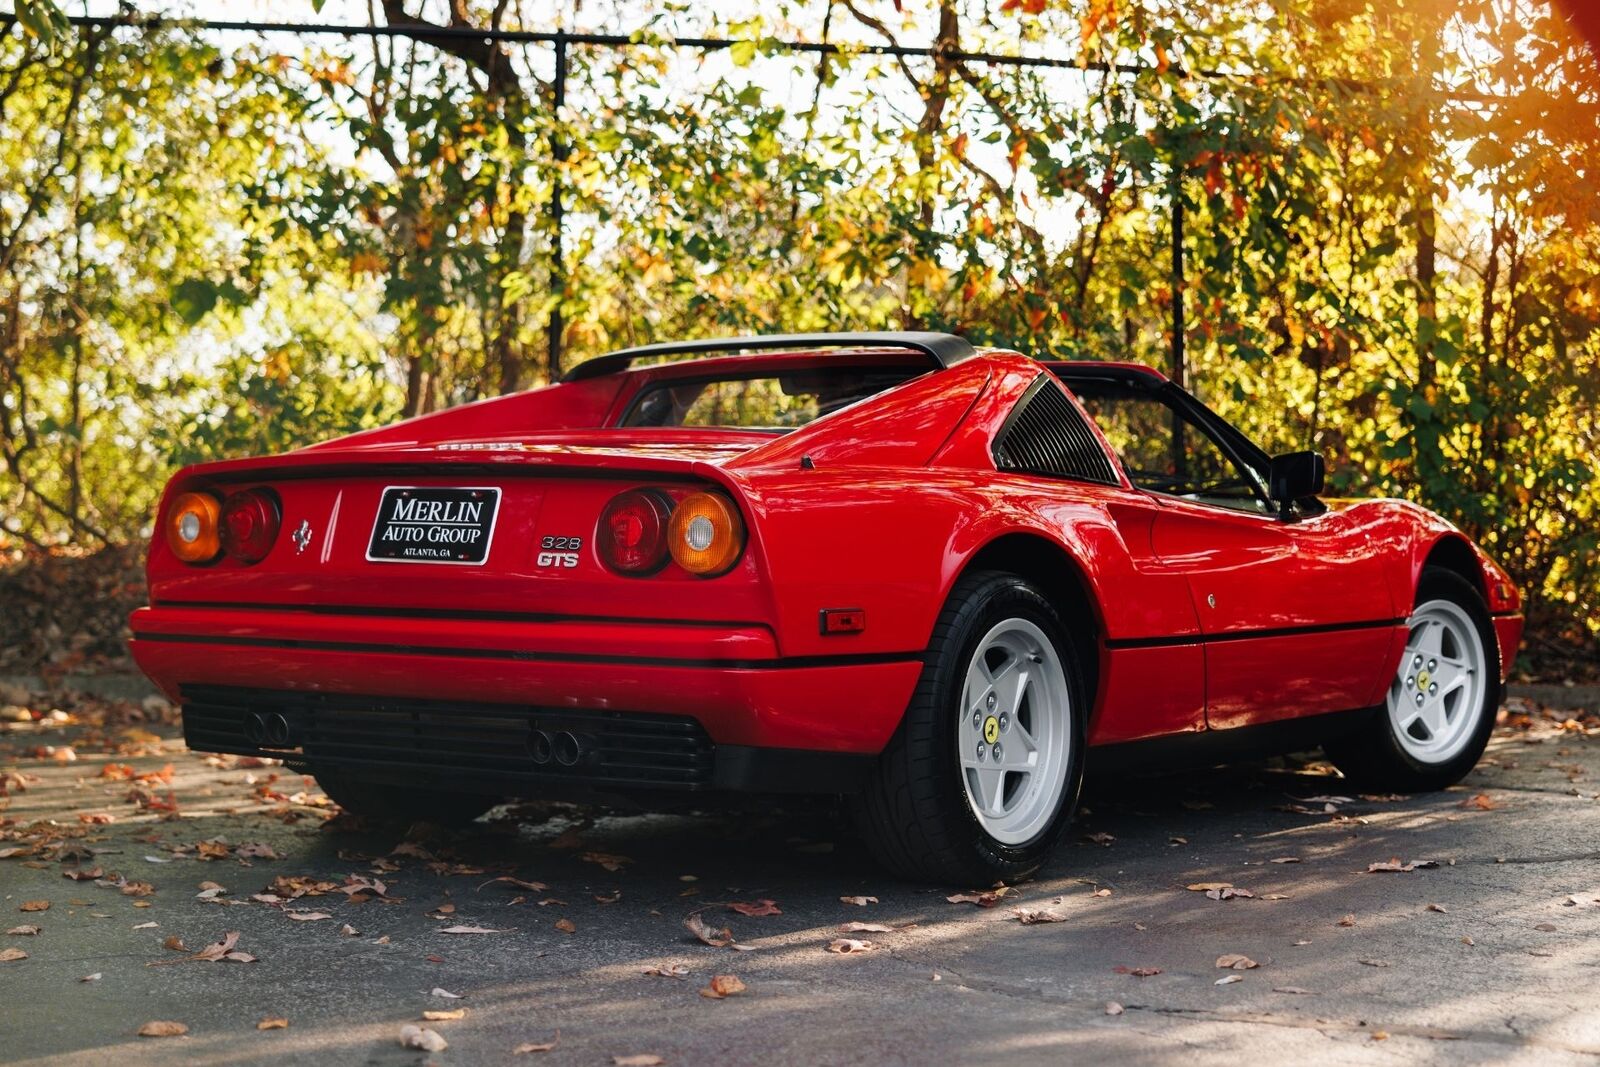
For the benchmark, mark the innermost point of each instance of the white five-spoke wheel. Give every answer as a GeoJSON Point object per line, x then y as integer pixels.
{"type": "Point", "coordinates": [1441, 703]}
{"type": "Point", "coordinates": [979, 783]}
{"type": "Point", "coordinates": [1013, 735]}
{"type": "Point", "coordinates": [1435, 698]}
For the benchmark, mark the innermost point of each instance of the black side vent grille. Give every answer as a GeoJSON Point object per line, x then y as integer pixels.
{"type": "Point", "coordinates": [1046, 435]}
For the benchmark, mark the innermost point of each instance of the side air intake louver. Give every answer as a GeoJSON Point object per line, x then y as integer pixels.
{"type": "Point", "coordinates": [1046, 435]}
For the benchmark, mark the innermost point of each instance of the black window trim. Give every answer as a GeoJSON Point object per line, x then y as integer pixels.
{"type": "Point", "coordinates": [1234, 444]}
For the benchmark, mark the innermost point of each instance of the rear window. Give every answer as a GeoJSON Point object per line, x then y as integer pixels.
{"type": "Point", "coordinates": [763, 402]}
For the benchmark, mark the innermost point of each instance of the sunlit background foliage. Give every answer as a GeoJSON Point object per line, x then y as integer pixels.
{"type": "Point", "coordinates": [220, 243]}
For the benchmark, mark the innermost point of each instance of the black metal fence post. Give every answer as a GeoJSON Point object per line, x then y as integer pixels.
{"type": "Point", "coordinates": [1180, 452]}
{"type": "Point", "coordinates": [558, 263]}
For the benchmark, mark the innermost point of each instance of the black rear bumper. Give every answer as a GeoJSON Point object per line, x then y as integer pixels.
{"type": "Point", "coordinates": [500, 749]}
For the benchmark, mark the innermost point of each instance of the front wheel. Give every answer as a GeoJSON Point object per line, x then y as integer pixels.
{"type": "Point", "coordinates": [981, 779]}
{"type": "Point", "coordinates": [386, 802]}
{"type": "Point", "coordinates": [1441, 704]}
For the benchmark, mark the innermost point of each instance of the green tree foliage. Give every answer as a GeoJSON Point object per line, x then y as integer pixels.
{"type": "Point", "coordinates": [1389, 228]}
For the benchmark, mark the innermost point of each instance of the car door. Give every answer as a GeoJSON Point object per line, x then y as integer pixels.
{"type": "Point", "coordinates": [1295, 613]}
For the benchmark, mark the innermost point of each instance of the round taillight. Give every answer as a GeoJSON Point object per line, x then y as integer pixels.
{"type": "Point", "coordinates": [632, 536]}
{"type": "Point", "coordinates": [249, 525]}
{"type": "Point", "coordinates": [706, 534]}
{"type": "Point", "coordinates": [192, 528]}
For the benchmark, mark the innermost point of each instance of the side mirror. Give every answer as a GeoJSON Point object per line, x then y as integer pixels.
{"type": "Point", "coordinates": [1295, 476]}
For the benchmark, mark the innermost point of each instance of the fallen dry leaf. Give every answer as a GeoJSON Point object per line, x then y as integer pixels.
{"type": "Point", "coordinates": [1228, 893]}
{"type": "Point", "coordinates": [610, 862]}
{"type": "Point", "coordinates": [485, 929]}
{"type": "Point", "coordinates": [1206, 887]}
{"type": "Point", "coordinates": [1229, 979]}
{"type": "Point", "coordinates": [1437, 907]}
{"type": "Point", "coordinates": [1285, 859]}
{"type": "Point", "coordinates": [845, 946]}
{"type": "Point", "coordinates": [1396, 865]}
{"type": "Point", "coordinates": [1373, 963]}
{"type": "Point", "coordinates": [8, 955]}
{"type": "Point", "coordinates": [23, 931]}
{"type": "Point", "coordinates": [349, 931]}
{"type": "Point", "coordinates": [174, 943]}
{"type": "Point", "coordinates": [536, 1046]}
{"type": "Point", "coordinates": [1233, 961]}
{"type": "Point", "coordinates": [445, 993]}
{"type": "Point", "coordinates": [412, 1036]}
{"type": "Point", "coordinates": [1293, 990]}
{"type": "Point", "coordinates": [537, 887]}
{"type": "Point", "coordinates": [1348, 920]}
{"type": "Point", "coordinates": [859, 902]}
{"type": "Point", "coordinates": [1099, 839]}
{"type": "Point", "coordinates": [986, 899]}
{"type": "Point", "coordinates": [722, 985]}
{"type": "Point", "coordinates": [1030, 916]}
{"type": "Point", "coordinates": [163, 1028]}
{"type": "Point", "coordinates": [1480, 802]}
{"type": "Point", "coordinates": [760, 909]}
{"type": "Point", "coordinates": [705, 932]}
{"type": "Point", "coordinates": [868, 928]}
{"type": "Point", "coordinates": [306, 916]}
{"type": "Point", "coordinates": [642, 1059]}
{"type": "Point", "coordinates": [444, 1016]}
{"type": "Point", "coordinates": [34, 905]}
{"type": "Point", "coordinates": [146, 926]}
{"type": "Point", "coordinates": [1113, 1008]}
{"type": "Point", "coordinates": [668, 970]}
{"type": "Point", "coordinates": [273, 1022]}
{"type": "Point", "coordinates": [95, 977]}
{"type": "Point", "coordinates": [1137, 972]}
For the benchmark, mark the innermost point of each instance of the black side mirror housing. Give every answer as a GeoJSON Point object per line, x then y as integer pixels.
{"type": "Point", "coordinates": [1295, 476]}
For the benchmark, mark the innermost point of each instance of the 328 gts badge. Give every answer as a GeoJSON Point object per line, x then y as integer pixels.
{"type": "Point", "coordinates": [558, 551]}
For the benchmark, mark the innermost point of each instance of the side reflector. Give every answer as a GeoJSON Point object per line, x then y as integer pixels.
{"type": "Point", "coordinates": [192, 528]}
{"type": "Point", "coordinates": [843, 621]}
{"type": "Point", "coordinates": [706, 535]}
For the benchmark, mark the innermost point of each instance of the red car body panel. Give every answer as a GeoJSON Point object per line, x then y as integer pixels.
{"type": "Point", "coordinates": [1202, 619]}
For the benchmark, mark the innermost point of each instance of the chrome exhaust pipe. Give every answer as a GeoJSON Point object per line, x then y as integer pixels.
{"type": "Point", "coordinates": [277, 730]}
{"type": "Point", "coordinates": [540, 747]}
{"type": "Point", "coordinates": [568, 750]}
{"type": "Point", "coordinates": [255, 728]}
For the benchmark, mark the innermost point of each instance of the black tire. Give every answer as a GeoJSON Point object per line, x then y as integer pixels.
{"type": "Point", "coordinates": [1373, 758]}
{"type": "Point", "coordinates": [386, 802]}
{"type": "Point", "coordinates": [914, 812]}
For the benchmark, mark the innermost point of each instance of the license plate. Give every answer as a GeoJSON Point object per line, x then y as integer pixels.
{"type": "Point", "coordinates": [434, 525]}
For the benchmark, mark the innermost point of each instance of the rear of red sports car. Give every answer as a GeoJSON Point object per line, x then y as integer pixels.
{"type": "Point", "coordinates": [539, 593]}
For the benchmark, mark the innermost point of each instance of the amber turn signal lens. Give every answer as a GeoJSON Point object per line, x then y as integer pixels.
{"type": "Point", "coordinates": [706, 534]}
{"type": "Point", "coordinates": [192, 528]}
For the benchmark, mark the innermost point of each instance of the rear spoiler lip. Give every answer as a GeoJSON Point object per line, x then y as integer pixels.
{"type": "Point", "coordinates": [941, 349]}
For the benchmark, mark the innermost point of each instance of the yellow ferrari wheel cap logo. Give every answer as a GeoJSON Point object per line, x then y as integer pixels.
{"type": "Point", "coordinates": [991, 729]}
{"type": "Point", "coordinates": [1422, 680]}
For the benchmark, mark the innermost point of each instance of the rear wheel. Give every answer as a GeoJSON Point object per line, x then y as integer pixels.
{"type": "Point", "coordinates": [388, 802]}
{"type": "Point", "coordinates": [980, 781]}
{"type": "Point", "coordinates": [1441, 703]}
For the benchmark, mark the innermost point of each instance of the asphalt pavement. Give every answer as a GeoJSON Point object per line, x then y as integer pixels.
{"type": "Point", "coordinates": [554, 925]}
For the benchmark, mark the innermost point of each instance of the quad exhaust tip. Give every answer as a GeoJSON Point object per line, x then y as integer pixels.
{"type": "Point", "coordinates": [563, 746]}
{"type": "Point", "coordinates": [269, 729]}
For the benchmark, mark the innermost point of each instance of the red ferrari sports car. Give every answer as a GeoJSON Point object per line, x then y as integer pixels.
{"type": "Point", "coordinates": [935, 579]}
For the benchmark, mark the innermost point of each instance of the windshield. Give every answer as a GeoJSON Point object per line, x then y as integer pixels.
{"type": "Point", "coordinates": [763, 402]}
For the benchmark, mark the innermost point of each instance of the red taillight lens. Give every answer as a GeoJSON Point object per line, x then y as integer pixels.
{"type": "Point", "coordinates": [249, 525]}
{"type": "Point", "coordinates": [632, 537]}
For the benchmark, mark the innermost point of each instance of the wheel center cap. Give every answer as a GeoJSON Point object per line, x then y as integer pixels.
{"type": "Point", "coordinates": [1422, 680]}
{"type": "Point", "coordinates": [991, 729]}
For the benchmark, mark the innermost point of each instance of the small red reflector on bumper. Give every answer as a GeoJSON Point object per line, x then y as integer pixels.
{"type": "Point", "coordinates": [843, 621]}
